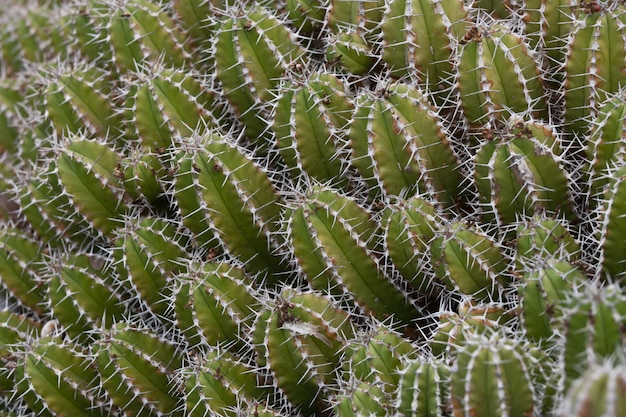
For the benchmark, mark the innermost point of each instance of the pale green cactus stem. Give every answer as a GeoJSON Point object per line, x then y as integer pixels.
{"type": "Point", "coordinates": [599, 392]}
{"type": "Point", "coordinates": [252, 53]}
{"type": "Point", "coordinates": [423, 390]}
{"type": "Point", "coordinates": [195, 18]}
{"type": "Point", "coordinates": [500, 9]}
{"type": "Point", "coordinates": [84, 296]}
{"type": "Point", "coordinates": [85, 37]}
{"type": "Point", "coordinates": [470, 262]}
{"type": "Point", "coordinates": [238, 201]}
{"type": "Point", "coordinates": [400, 145]}
{"type": "Point", "coordinates": [87, 171]}
{"type": "Point", "coordinates": [592, 329]}
{"type": "Point", "coordinates": [30, 35]}
{"type": "Point", "coordinates": [595, 66]}
{"type": "Point", "coordinates": [64, 380]}
{"type": "Point", "coordinates": [215, 305]}
{"type": "Point", "coordinates": [495, 376]}
{"type": "Point", "coordinates": [333, 241]}
{"type": "Point", "coordinates": [544, 291]}
{"type": "Point", "coordinates": [307, 16]}
{"type": "Point", "coordinates": [419, 38]}
{"type": "Point", "coordinates": [302, 337]}
{"type": "Point", "coordinates": [221, 385]}
{"type": "Point", "coordinates": [10, 113]}
{"type": "Point", "coordinates": [21, 264]}
{"type": "Point", "coordinates": [47, 208]}
{"type": "Point", "coordinates": [409, 227]}
{"type": "Point", "coordinates": [309, 123]}
{"type": "Point", "coordinates": [498, 77]}
{"type": "Point", "coordinates": [149, 253]}
{"type": "Point", "coordinates": [189, 202]}
{"type": "Point", "coordinates": [143, 177]}
{"type": "Point", "coordinates": [521, 173]}
{"type": "Point", "coordinates": [137, 371]}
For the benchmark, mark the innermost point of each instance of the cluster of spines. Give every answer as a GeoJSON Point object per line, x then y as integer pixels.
{"type": "Point", "coordinates": [150, 196]}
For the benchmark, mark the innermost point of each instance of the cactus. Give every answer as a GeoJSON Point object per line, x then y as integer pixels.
{"type": "Point", "coordinates": [251, 54]}
{"type": "Point", "coordinates": [419, 39]}
{"type": "Point", "coordinates": [398, 142]}
{"type": "Point", "coordinates": [592, 329]}
{"type": "Point", "coordinates": [595, 64]}
{"type": "Point", "coordinates": [485, 374]}
{"type": "Point", "coordinates": [521, 173]}
{"type": "Point", "coordinates": [311, 207]}
{"type": "Point", "coordinates": [498, 76]}
{"type": "Point", "coordinates": [329, 233]}
{"type": "Point", "coordinates": [423, 389]}
{"type": "Point", "coordinates": [469, 261]}
{"type": "Point", "coordinates": [309, 122]}
{"type": "Point", "coordinates": [598, 392]}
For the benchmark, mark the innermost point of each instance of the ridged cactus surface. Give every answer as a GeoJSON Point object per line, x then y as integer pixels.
{"type": "Point", "coordinates": [312, 208]}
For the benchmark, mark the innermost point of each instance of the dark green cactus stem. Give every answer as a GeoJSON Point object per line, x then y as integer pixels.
{"type": "Point", "coordinates": [469, 261]}
{"type": "Point", "coordinates": [302, 340]}
{"type": "Point", "coordinates": [379, 359]}
{"type": "Point", "coordinates": [365, 399]}
{"type": "Point", "coordinates": [137, 369]}
{"type": "Point", "coordinates": [498, 76]}
{"type": "Point", "coordinates": [611, 228]}
{"type": "Point", "coordinates": [149, 253]}
{"type": "Point", "coordinates": [21, 264]}
{"type": "Point", "coordinates": [87, 170]}
{"type": "Point", "coordinates": [595, 66]}
{"type": "Point", "coordinates": [64, 379]}
{"type": "Point", "coordinates": [544, 238]}
{"type": "Point", "coordinates": [83, 296]}
{"type": "Point", "coordinates": [592, 329]}
{"type": "Point", "coordinates": [221, 384]}
{"type": "Point", "coordinates": [605, 149]}
{"type": "Point", "coordinates": [252, 53]}
{"type": "Point", "coordinates": [419, 39]}
{"type": "Point", "coordinates": [409, 228]}
{"type": "Point", "coordinates": [522, 174]}
{"type": "Point", "coordinates": [215, 305]}
{"type": "Point", "coordinates": [309, 123]}
{"type": "Point", "coordinates": [241, 204]}
{"type": "Point", "coordinates": [543, 293]}
{"type": "Point", "coordinates": [330, 235]}
{"type": "Point", "coordinates": [493, 376]}
{"type": "Point", "coordinates": [424, 389]}
{"type": "Point", "coordinates": [598, 392]}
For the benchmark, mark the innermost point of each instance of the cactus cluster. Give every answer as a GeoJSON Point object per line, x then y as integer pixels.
{"type": "Point", "coordinates": [313, 208]}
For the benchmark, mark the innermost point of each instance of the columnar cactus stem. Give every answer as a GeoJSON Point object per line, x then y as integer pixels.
{"type": "Point", "coordinates": [419, 39]}
{"type": "Point", "coordinates": [595, 65]}
{"type": "Point", "coordinates": [498, 76]}
{"type": "Point", "coordinates": [331, 237]}
{"type": "Point", "coordinates": [252, 53]}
